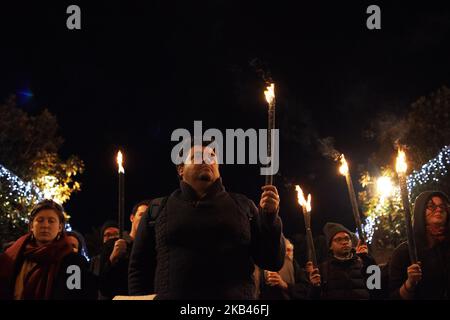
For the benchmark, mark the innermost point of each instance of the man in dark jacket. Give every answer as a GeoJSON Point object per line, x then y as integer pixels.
{"type": "Point", "coordinates": [113, 278]}
{"type": "Point", "coordinates": [430, 278]}
{"type": "Point", "coordinates": [289, 283]}
{"type": "Point", "coordinates": [205, 241]}
{"type": "Point", "coordinates": [109, 233]}
{"type": "Point", "coordinates": [343, 276]}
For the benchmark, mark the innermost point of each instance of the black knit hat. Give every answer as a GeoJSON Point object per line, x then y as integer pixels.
{"type": "Point", "coordinates": [331, 229]}
{"type": "Point", "coordinates": [108, 224]}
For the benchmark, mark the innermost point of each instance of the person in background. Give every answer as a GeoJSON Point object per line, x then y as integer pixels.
{"type": "Point", "coordinates": [430, 277]}
{"type": "Point", "coordinates": [289, 283]}
{"type": "Point", "coordinates": [109, 233]}
{"type": "Point", "coordinates": [343, 276]}
{"type": "Point", "coordinates": [38, 265]}
{"type": "Point", "coordinates": [78, 243]}
{"type": "Point", "coordinates": [113, 277]}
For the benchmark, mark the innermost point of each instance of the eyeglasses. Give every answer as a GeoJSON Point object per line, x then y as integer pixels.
{"type": "Point", "coordinates": [344, 239]}
{"type": "Point", "coordinates": [109, 235]}
{"type": "Point", "coordinates": [433, 207]}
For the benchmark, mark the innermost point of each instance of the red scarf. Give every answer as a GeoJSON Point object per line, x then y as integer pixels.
{"type": "Point", "coordinates": [38, 283]}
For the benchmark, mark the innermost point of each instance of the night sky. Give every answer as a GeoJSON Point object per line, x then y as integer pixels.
{"type": "Point", "coordinates": [138, 70]}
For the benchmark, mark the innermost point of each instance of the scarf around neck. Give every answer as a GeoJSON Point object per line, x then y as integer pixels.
{"type": "Point", "coordinates": [39, 281]}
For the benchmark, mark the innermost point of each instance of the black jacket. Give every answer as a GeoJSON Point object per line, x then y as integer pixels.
{"type": "Point", "coordinates": [113, 278]}
{"type": "Point", "coordinates": [344, 279]}
{"type": "Point", "coordinates": [88, 288]}
{"type": "Point", "coordinates": [435, 262]}
{"type": "Point", "coordinates": [204, 248]}
{"type": "Point", "coordinates": [97, 267]}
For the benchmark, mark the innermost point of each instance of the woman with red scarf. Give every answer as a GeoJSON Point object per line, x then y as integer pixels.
{"type": "Point", "coordinates": [42, 265]}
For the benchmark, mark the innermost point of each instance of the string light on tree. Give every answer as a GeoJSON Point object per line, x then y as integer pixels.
{"type": "Point", "coordinates": [20, 194]}
{"type": "Point", "coordinates": [385, 201]}
{"type": "Point", "coordinates": [19, 188]}
{"type": "Point", "coordinates": [369, 227]}
{"type": "Point", "coordinates": [382, 203]}
{"type": "Point", "coordinates": [432, 171]}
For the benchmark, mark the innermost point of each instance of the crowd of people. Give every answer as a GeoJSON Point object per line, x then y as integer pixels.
{"type": "Point", "coordinates": [203, 242]}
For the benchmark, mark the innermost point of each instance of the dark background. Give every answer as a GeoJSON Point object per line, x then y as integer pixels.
{"type": "Point", "coordinates": [138, 70]}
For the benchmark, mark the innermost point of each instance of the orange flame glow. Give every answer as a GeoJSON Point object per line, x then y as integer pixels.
{"type": "Point", "coordinates": [343, 169]}
{"type": "Point", "coordinates": [270, 94]}
{"type": "Point", "coordinates": [301, 199]}
{"type": "Point", "coordinates": [401, 165]}
{"type": "Point", "coordinates": [120, 162]}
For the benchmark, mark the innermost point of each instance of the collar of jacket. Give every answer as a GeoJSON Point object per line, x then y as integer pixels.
{"type": "Point", "coordinates": [189, 194]}
{"type": "Point", "coordinates": [354, 257]}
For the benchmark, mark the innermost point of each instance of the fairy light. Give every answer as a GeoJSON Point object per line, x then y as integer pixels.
{"type": "Point", "coordinates": [382, 209]}
{"type": "Point", "coordinates": [17, 187]}
{"type": "Point", "coordinates": [369, 227]}
{"type": "Point", "coordinates": [430, 173]}
{"type": "Point", "coordinates": [20, 192]}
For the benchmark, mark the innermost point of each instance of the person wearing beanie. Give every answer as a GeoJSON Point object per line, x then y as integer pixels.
{"type": "Point", "coordinates": [343, 275]}
{"type": "Point", "coordinates": [109, 232]}
{"type": "Point", "coordinates": [331, 229]}
{"type": "Point", "coordinates": [113, 276]}
{"type": "Point", "coordinates": [430, 277]}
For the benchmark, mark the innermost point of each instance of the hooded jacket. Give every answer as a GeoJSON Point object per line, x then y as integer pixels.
{"type": "Point", "coordinates": [435, 261]}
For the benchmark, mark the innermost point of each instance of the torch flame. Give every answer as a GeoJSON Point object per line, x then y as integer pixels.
{"type": "Point", "coordinates": [308, 203]}
{"type": "Point", "coordinates": [343, 169]}
{"type": "Point", "coordinates": [301, 199]}
{"type": "Point", "coordinates": [120, 161]}
{"type": "Point", "coordinates": [270, 94]}
{"type": "Point", "coordinates": [401, 165]}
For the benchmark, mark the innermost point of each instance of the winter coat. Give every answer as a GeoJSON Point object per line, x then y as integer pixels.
{"type": "Point", "coordinates": [344, 279]}
{"type": "Point", "coordinates": [435, 261]}
{"type": "Point", "coordinates": [113, 278]}
{"type": "Point", "coordinates": [53, 275]}
{"type": "Point", "coordinates": [204, 248]}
